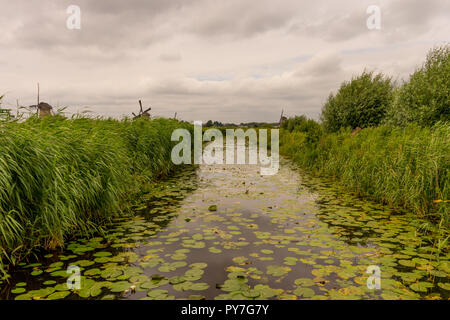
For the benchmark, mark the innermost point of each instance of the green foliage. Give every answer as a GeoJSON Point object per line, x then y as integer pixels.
{"type": "Point", "coordinates": [59, 177]}
{"type": "Point", "coordinates": [425, 98]}
{"type": "Point", "coordinates": [362, 102]}
{"type": "Point", "coordinates": [406, 167]}
{"type": "Point", "coordinates": [312, 129]}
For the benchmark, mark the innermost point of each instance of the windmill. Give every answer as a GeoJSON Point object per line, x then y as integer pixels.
{"type": "Point", "coordinates": [142, 113]}
{"type": "Point", "coordinates": [282, 118]}
{"type": "Point", "coordinates": [42, 108]}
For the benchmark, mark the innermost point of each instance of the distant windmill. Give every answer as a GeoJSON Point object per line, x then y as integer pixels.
{"type": "Point", "coordinates": [282, 118]}
{"type": "Point", "coordinates": [42, 108]}
{"type": "Point", "coordinates": [142, 113]}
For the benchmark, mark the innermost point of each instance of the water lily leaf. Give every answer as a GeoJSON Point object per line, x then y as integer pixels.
{"type": "Point", "coordinates": [179, 256]}
{"type": "Point", "coordinates": [157, 294]}
{"type": "Point", "coordinates": [58, 295]}
{"type": "Point", "coordinates": [60, 273]}
{"type": "Point", "coordinates": [193, 274]}
{"type": "Point", "coordinates": [41, 293]}
{"type": "Point", "coordinates": [304, 282]}
{"type": "Point", "coordinates": [234, 285]}
{"type": "Point", "coordinates": [18, 290]}
{"type": "Point", "coordinates": [277, 271]}
{"type": "Point", "coordinates": [177, 280]}
{"type": "Point", "coordinates": [102, 254]}
{"type": "Point", "coordinates": [304, 292]}
{"type": "Point", "coordinates": [239, 260]}
{"type": "Point", "coordinates": [199, 265]}
{"type": "Point", "coordinates": [55, 265]}
{"type": "Point", "coordinates": [214, 250]}
{"type": "Point", "coordinates": [199, 286]}
{"type": "Point", "coordinates": [421, 286]}
{"type": "Point", "coordinates": [36, 272]}
{"type": "Point", "coordinates": [25, 296]}
{"type": "Point", "coordinates": [92, 272]}
{"type": "Point", "coordinates": [120, 286]}
{"type": "Point", "coordinates": [83, 263]}
{"type": "Point", "coordinates": [407, 263]}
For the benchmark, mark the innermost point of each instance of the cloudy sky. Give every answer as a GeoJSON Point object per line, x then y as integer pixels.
{"type": "Point", "coordinates": [232, 61]}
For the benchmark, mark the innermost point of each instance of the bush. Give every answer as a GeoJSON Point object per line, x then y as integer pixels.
{"type": "Point", "coordinates": [362, 102]}
{"type": "Point", "coordinates": [425, 98]}
{"type": "Point", "coordinates": [312, 129]}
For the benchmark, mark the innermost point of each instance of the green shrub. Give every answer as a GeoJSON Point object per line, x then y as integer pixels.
{"type": "Point", "coordinates": [362, 102]}
{"type": "Point", "coordinates": [425, 98]}
{"type": "Point", "coordinates": [312, 129]}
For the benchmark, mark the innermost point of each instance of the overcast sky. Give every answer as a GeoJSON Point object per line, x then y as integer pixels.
{"type": "Point", "coordinates": [226, 60]}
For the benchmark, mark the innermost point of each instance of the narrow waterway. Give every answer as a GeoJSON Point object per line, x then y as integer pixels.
{"type": "Point", "coordinates": [226, 232]}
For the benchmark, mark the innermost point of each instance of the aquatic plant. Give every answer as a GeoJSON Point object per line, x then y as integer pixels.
{"type": "Point", "coordinates": [407, 167]}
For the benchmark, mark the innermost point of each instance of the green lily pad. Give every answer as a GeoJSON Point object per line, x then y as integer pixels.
{"type": "Point", "coordinates": [421, 286]}
{"type": "Point", "coordinates": [198, 265]}
{"type": "Point", "coordinates": [199, 286]}
{"type": "Point", "coordinates": [304, 282]}
{"type": "Point", "coordinates": [214, 250]}
{"type": "Point", "coordinates": [36, 272]}
{"type": "Point", "coordinates": [304, 292]}
{"type": "Point", "coordinates": [58, 295]}
{"type": "Point", "coordinates": [18, 290]}
{"type": "Point", "coordinates": [407, 263]}
{"type": "Point", "coordinates": [157, 294]}
{"type": "Point", "coordinates": [120, 286]}
{"type": "Point", "coordinates": [278, 271]}
{"type": "Point", "coordinates": [445, 286]}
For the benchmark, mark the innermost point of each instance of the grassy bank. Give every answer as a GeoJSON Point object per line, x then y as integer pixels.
{"type": "Point", "coordinates": [60, 177]}
{"type": "Point", "coordinates": [401, 166]}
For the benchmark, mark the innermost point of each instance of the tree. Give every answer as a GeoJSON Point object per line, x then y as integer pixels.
{"type": "Point", "coordinates": [425, 98]}
{"type": "Point", "coordinates": [362, 102]}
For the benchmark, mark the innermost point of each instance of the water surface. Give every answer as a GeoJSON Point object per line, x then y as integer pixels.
{"type": "Point", "coordinates": [226, 232]}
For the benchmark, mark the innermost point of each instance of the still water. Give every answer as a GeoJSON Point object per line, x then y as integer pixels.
{"type": "Point", "coordinates": [226, 232]}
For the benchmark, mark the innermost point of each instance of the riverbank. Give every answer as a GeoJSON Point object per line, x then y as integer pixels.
{"type": "Point", "coordinates": [60, 177]}
{"type": "Point", "coordinates": [404, 167]}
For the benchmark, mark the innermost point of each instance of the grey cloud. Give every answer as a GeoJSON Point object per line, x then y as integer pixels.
{"type": "Point", "coordinates": [207, 59]}
{"type": "Point", "coordinates": [241, 19]}
{"type": "Point", "coordinates": [170, 57]}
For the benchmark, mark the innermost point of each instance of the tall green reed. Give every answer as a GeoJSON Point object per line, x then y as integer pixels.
{"type": "Point", "coordinates": [60, 177]}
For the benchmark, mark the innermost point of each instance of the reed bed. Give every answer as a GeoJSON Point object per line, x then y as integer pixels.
{"type": "Point", "coordinates": [406, 167]}
{"type": "Point", "coordinates": [60, 177]}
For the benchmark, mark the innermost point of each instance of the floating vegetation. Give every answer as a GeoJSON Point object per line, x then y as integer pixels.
{"type": "Point", "coordinates": [292, 237]}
